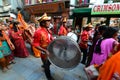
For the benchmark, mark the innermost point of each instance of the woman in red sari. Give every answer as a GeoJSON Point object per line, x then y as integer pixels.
{"type": "Point", "coordinates": [20, 48]}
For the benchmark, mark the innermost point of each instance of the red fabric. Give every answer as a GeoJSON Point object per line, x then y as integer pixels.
{"type": "Point", "coordinates": [84, 36]}
{"type": "Point", "coordinates": [84, 39]}
{"type": "Point", "coordinates": [83, 45]}
{"type": "Point", "coordinates": [55, 29]}
{"type": "Point", "coordinates": [62, 31]}
{"type": "Point", "coordinates": [42, 37]}
{"type": "Point", "coordinates": [20, 47]}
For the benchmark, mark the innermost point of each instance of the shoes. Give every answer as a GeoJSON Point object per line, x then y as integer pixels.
{"type": "Point", "coordinates": [12, 62]}
{"type": "Point", "coordinates": [9, 67]}
{"type": "Point", "coordinates": [51, 78]}
{"type": "Point", "coordinates": [4, 70]}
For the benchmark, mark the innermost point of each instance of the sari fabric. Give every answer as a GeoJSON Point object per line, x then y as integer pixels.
{"type": "Point", "coordinates": [110, 68]}
{"type": "Point", "coordinates": [20, 47]}
{"type": "Point", "coordinates": [1, 54]}
{"type": "Point", "coordinates": [5, 48]}
{"type": "Point", "coordinates": [107, 46]}
{"type": "Point", "coordinates": [10, 44]}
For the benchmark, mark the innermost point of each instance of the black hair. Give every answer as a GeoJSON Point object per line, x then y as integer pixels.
{"type": "Point", "coordinates": [102, 22]}
{"type": "Point", "coordinates": [97, 47]}
{"type": "Point", "coordinates": [19, 9]}
{"type": "Point", "coordinates": [109, 32]}
{"type": "Point", "coordinates": [15, 26]}
{"type": "Point", "coordinates": [42, 23]}
{"type": "Point", "coordinates": [1, 35]}
{"type": "Point", "coordinates": [102, 28]}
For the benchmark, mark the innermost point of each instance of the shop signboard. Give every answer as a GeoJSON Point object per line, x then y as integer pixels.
{"type": "Point", "coordinates": [48, 8]}
{"type": "Point", "coordinates": [113, 8]}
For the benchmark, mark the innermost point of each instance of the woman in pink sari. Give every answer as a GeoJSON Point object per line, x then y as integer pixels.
{"type": "Point", "coordinates": [20, 48]}
{"type": "Point", "coordinates": [105, 46]}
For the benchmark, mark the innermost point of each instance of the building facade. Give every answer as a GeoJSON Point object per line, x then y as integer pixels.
{"type": "Point", "coordinates": [6, 6]}
{"type": "Point", "coordinates": [85, 12]}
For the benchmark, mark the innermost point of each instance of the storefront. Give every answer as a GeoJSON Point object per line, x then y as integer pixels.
{"type": "Point", "coordinates": [79, 14]}
{"type": "Point", "coordinates": [109, 13]}
{"type": "Point", "coordinates": [59, 8]}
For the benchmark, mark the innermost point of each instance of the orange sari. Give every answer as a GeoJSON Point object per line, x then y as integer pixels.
{"type": "Point", "coordinates": [110, 68]}
{"type": "Point", "coordinates": [28, 36]}
{"type": "Point", "coordinates": [12, 47]}
{"type": "Point", "coordinates": [23, 24]}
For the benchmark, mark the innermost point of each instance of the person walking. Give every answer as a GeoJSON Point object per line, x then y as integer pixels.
{"type": "Point", "coordinates": [63, 28]}
{"type": "Point", "coordinates": [18, 41]}
{"type": "Point", "coordinates": [105, 46]}
{"type": "Point", "coordinates": [41, 40]}
{"type": "Point", "coordinates": [83, 44]}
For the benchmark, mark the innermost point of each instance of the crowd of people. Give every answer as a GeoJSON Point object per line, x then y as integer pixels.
{"type": "Point", "coordinates": [98, 44]}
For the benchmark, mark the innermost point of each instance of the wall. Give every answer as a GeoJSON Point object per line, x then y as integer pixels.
{"type": "Point", "coordinates": [16, 3]}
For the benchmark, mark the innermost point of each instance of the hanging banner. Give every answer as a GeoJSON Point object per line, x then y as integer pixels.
{"type": "Point", "coordinates": [113, 8]}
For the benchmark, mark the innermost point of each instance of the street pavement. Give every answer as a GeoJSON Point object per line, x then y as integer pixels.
{"type": "Point", "coordinates": [30, 69]}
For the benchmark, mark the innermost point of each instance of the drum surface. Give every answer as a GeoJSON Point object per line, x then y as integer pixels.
{"type": "Point", "coordinates": [64, 52]}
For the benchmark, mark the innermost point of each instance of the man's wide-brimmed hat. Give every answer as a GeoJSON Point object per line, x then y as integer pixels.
{"type": "Point", "coordinates": [44, 17]}
{"type": "Point", "coordinates": [90, 25]}
{"type": "Point", "coordinates": [64, 19]}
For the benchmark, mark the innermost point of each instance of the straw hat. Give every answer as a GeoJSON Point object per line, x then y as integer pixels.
{"type": "Point", "coordinates": [90, 25]}
{"type": "Point", "coordinates": [44, 17]}
{"type": "Point", "coordinates": [64, 19]}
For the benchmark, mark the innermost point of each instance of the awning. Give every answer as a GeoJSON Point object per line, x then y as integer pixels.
{"type": "Point", "coordinates": [81, 10]}
{"type": "Point", "coordinates": [4, 14]}
{"type": "Point", "coordinates": [4, 11]}
{"type": "Point", "coordinates": [86, 12]}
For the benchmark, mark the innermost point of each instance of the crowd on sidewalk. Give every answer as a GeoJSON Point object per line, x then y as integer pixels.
{"type": "Point", "coordinates": [99, 44]}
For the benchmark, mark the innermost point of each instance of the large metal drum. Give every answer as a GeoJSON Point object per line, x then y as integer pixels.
{"type": "Point", "coordinates": [64, 52]}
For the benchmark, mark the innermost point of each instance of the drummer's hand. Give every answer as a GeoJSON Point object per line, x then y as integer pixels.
{"type": "Point", "coordinates": [47, 52]}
